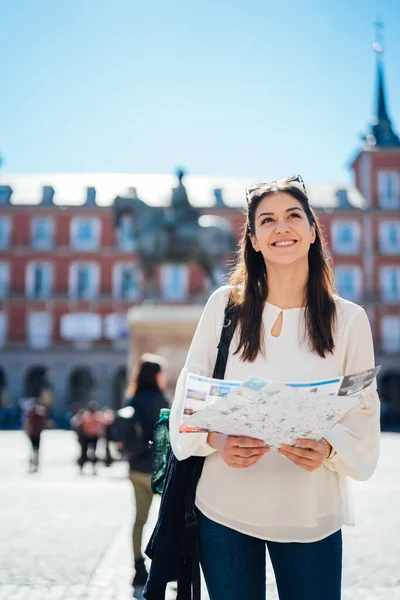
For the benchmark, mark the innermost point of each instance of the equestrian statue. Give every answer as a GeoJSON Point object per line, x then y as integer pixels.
{"type": "Point", "coordinates": [178, 233]}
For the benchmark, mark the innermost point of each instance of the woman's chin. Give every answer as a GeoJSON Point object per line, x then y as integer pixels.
{"type": "Point", "coordinates": [284, 260]}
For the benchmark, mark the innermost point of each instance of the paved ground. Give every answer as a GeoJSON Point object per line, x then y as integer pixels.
{"type": "Point", "coordinates": [64, 536]}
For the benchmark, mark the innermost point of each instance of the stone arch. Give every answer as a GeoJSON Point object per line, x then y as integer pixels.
{"type": "Point", "coordinates": [119, 387]}
{"type": "Point", "coordinates": [36, 381]}
{"type": "Point", "coordinates": [81, 387]}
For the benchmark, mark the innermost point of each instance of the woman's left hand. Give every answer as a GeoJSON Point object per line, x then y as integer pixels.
{"type": "Point", "coordinates": [309, 457]}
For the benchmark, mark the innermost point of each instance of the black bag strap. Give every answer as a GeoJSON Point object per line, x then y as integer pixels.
{"type": "Point", "coordinates": [228, 329]}
{"type": "Point", "coordinates": [189, 471]}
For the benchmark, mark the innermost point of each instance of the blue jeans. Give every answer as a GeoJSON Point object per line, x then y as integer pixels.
{"type": "Point", "coordinates": [234, 565]}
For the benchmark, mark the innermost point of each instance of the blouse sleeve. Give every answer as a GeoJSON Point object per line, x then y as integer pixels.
{"type": "Point", "coordinates": [200, 360]}
{"type": "Point", "coordinates": [355, 439]}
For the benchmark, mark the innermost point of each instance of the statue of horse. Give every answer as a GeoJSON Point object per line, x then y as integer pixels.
{"type": "Point", "coordinates": [207, 240]}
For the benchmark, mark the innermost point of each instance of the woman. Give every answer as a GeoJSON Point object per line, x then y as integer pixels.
{"type": "Point", "coordinates": [89, 425]}
{"type": "Point", "coordinates": [35, 421]}
{"type": "Point", "coordinates": [291, 328]}
{"type": "Point", "coordinates": [145, 393]}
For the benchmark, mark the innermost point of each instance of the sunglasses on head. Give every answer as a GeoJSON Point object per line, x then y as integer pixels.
{"type": "Point", "coordinates": [295, 180]}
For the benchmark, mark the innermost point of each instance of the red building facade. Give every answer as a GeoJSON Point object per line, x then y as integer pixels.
{"type": "Point", "coordinates": [68, 275]}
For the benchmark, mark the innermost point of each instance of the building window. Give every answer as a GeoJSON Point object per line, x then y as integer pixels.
{"type": "Point", "coordinates": [174, 282]}
{"type": "Point", "coordinates": [3, 329]}
{"type": "Point", "coordinates": [348, 280]}
{"type": "Point", "coordinates": [390, 333]}
{"type": "Point", "coordinates": [42, 234]}
{"type": "Point", "coordinates": [125, 234]}
{"type": "Point", "coordinates": [39, 329]}
{"type": "Point", "coordinates": [39, 280]}
{"type": "Point", "coordinates": [4, 279]}
{"type": "Point", "coordinates": [5, 232]}
{"type": "Point", "coordinates": [126, 282]}
{"type": "Point", "coordinates": [85, 233]}
{"type": "Point", "coordinates": [346, 237]}
{"type": "Point", "coordinates": [389, 237]}
{"type": "Point", "coordinates": [84, 281]}
{"type": "Point", "coordinates": [389, 189]}
{"type": "Point", "coordinates": [390, 284]}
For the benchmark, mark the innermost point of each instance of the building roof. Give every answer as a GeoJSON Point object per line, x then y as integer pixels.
{"type": "Point", "coordinates": [73, 189]}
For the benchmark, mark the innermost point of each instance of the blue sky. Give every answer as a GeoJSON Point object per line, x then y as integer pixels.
{"type": "Point", "coordinates": [243, 88]}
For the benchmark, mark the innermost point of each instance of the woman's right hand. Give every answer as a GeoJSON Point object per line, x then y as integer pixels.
{"type": "Point", "coordinates": [238, 452]}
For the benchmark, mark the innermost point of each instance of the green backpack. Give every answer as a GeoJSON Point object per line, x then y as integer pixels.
{"type": "Point", "coordinates": [161, 451]}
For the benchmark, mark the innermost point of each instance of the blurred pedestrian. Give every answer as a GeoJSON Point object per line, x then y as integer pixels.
{"type": "Point", "coordinates": [290, 327]}
{"type": "Point", "coordinates": [89, 425]}
{"type": "Point", "coordinates": [35, 419]}
{"type": "Point", "coordinates": [75, 422]}
{"type": "Point", "coordinates": [109, 417]}
{"type": "Point", "coordinates": [145, 393]}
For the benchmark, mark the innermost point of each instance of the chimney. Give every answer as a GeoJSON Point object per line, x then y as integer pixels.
{"type": "Point", "coordinates": [47, 196]}
{"type": "Point", "coordinates": [90, 196]}
{"type": "Point", "coordinates": [341, 195]}
{"type": "Point", "coordinates": [5, 194]}
{"type": "Point", "coordinates": [219, 201]}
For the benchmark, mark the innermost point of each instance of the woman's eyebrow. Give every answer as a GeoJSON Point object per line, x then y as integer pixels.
{"type": "Point", "coordinates": [271, 214]}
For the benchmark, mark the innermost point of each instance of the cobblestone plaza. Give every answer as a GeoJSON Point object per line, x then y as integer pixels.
{"type": "Point", "coordinates": [64, 536]}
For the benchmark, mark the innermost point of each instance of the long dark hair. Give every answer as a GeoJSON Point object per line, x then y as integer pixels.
{"type": "Point", "coordinates": [144, 378]}
{"type": "Point", "coordinates": [250, 285]}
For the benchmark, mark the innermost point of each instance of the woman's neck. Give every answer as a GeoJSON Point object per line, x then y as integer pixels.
{"type": "Point", "coordinates": [286, 285]}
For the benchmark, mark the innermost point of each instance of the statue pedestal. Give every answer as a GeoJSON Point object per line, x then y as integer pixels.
{"type": "Point", "coordinates": [163, 329]}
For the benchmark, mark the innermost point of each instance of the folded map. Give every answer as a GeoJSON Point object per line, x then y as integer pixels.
{"type": "Point", "coordinates": [273, 412]}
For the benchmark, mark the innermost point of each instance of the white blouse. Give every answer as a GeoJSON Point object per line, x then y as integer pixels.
{"type": "Point", "coordinates": [275, 499]}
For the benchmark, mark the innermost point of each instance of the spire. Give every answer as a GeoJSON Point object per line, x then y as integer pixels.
{"type": "Point", "coordinates": [381, 112]}
{"type": "Point", "coordinates": [381, 127]}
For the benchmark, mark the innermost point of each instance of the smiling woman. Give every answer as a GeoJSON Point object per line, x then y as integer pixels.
{"type": "Point", "coordinates": [283, 228]}
{"type": "Point", "coordinates": [290, 327]}
{"type": "Point", "coordinates": [283, 234]}
{"type": "Point", "coordinates": [284, 259]}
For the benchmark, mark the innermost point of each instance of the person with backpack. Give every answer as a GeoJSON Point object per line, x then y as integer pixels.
{"type": "Point", "coordinates": [34, 422]}
{"type": "Point", "coordinates": [145, 395]}
{"type": "Point", "coordinates": [89, 424]}
{"type": "Point", "coordinates": [292, 501]}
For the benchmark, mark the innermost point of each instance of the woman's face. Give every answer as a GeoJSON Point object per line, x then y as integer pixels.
{"type": "Point", "coordinates": [282, 232]}
{"type": "Point", "coordinates": [161, 379]}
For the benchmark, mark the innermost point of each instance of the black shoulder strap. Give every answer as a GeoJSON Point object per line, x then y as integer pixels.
{"type": "Point", "coordinates": [228, 329]}
{"type": "Point", "coordinates": [177, 520]}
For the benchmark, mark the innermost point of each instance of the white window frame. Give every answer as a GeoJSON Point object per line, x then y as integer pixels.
{"type": "Point", "coordinates": [5, 267]}
{"type": "Point", "coordinates": [386, 294]}
{"type": "Point", "coordinates": [339, 247]}
{"type": "Point", "coordinates": [356, 270]}
{"type": "Point", "coordinates": [390, 334]}
{"type": "Point", "coordinates": [166, 272]}
{"type": "Point", "coordinates": [384, 242]}
{"type": "Point", "coordinates": [73, 280]}
{"type": "Point", "coordinates": [117, 281]}
{"type": "Point", "coordinates": [7, 224]}
{"type": "Point", "coordinates": [86, 246]}
{"type": "Point", "coordinates": [40, 342]}
{"type": "Point", "coordinates": [46, 244]}
{"type": "Point", "coordinates": [384, 201]}
{"type": "Point", "coordinates": [3, 328]}
{"type": "Point", "coordinates": [30, 279]}
{"type": "Point", "coordinates": [124, 243]}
